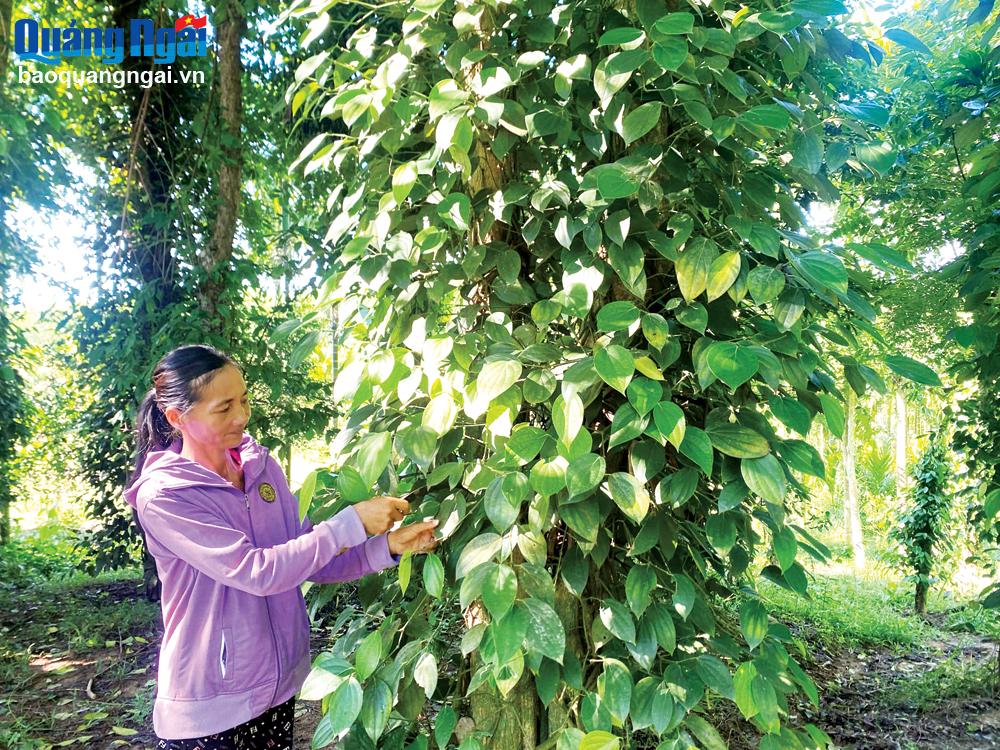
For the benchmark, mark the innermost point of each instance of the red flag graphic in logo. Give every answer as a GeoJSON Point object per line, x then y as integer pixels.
{"type": "Point", "coordinates": [189, 20]}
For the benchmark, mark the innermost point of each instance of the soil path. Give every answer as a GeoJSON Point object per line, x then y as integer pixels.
{"type": "Point", "coordinates": [939, 695]}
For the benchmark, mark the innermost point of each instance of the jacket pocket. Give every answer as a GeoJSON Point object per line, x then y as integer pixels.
{"type": "Point", "coordinates": [226, 663]}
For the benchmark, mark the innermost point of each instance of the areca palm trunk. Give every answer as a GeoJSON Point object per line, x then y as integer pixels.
{"type": "Point", "coordinates": [899, 445]}
{"type": "Point", "coordinates": [852, 513]}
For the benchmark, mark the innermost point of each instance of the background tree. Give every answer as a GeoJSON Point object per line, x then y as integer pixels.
{"type": "Point", "coordinates": [937, 202]}
{"type": "Point", "coordinates": [230, 23]}
{"type": "Point", "coordinates": [921, 528]}
{"type": "Point", "coordinates": [852, 510]}
{"type": "Point", "coordinates": [13, 405]}
{"type": "Point", "coordinates": [154, 208]}
{"type": "Point", "coordinates": [30, 170]}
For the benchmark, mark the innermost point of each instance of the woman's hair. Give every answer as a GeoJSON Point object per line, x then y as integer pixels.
{"type": "Point", "coordinates": [178, 380]}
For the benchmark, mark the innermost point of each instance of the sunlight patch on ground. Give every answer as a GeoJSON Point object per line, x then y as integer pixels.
{"type": "Point", "coordinates": [58, 665]}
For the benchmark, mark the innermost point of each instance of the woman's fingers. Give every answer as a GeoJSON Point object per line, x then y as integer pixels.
{"type": "Point", "coordinates": [417, 536]}
{"type": "Point", "coordinates": [424, 542]}
{"type": "Point", "coordinates": [414, 530]}
{"type": "Point", "coordinates": [395, 509]}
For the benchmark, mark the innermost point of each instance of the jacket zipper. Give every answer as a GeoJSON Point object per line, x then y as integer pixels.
{"type": "Point", "coordinates": [267, 606]}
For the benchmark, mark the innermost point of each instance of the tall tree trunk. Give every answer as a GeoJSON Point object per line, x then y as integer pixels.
{"type": "Point", "coordinates": [852, 513]}
{"type": "Point", "coordinates": [230, 27]}
{"type": "Point", "coordinates": [6, 11]}
{"type": "Point", "coordinates": [149, 193]}
{"type": "Point", "coordinates": [899, 445]}
{"type": "Point", "coordinates": [6, 34]}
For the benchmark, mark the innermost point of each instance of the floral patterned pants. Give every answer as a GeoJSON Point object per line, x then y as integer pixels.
{"type": "Point", "coordinates": [272, 730]}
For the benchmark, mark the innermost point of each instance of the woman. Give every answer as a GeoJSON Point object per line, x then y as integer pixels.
{"type": "Point", "coordinates": [230, 551]}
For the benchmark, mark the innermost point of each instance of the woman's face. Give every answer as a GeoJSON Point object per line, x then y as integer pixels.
{"type": "Point", "coordinates": [218, 418]}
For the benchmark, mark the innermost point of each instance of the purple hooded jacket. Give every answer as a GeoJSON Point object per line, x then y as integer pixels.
{"type": "Point", "coordinates": [235, 626]}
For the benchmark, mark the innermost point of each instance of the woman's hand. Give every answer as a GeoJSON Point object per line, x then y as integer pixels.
{"type": "Point", "coordinates": [417, 537]}
{"type": "Point", "coordinates": [378, 514]}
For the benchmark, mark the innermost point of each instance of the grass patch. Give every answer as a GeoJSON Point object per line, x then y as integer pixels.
{"type": "Point", "coordinates": [846, 612]}
{"type": "Point", "coordinates": [78, 579]}
{"type": "Point", "coordinates": [951, 680]}
{"type": "Point", "coordinates": [67, 616]}
{"type": "Point", "coordinates": [972, 618]}
{"type": "Point", "coordinates": [42, 555]}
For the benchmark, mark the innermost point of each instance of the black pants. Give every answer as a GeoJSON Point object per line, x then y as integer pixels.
{"type": "Point", "coordinates": [272, 730]}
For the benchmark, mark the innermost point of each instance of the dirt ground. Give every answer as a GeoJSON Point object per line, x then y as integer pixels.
{"type": "Point", "coordinates": [100, 697]}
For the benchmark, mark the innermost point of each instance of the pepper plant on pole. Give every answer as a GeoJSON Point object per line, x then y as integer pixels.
{"type": "Point", "coordinates": [579, 295]}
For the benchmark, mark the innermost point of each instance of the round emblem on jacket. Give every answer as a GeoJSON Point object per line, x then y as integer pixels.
{"type": "Point", "coordinates": [267, 493]}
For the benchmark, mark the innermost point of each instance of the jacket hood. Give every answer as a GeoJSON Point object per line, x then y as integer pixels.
{"type": "Point", "coordinates": [167, 468]}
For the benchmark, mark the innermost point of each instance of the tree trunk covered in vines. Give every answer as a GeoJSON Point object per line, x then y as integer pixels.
{"type": "Point", "coordinates": [578, 261]}
{"type": "Point", "coordinates": [511, 721]}
{"type": "Point", "coordinates": [571, 613]}
{"type": "Point", "coordinates": [154, 113]}
{"type": "Point", "coordinates": [230, 25]}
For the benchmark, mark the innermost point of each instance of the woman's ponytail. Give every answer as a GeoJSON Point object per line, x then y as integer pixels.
{"type": "Point", "coordinates": [153, 432]}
